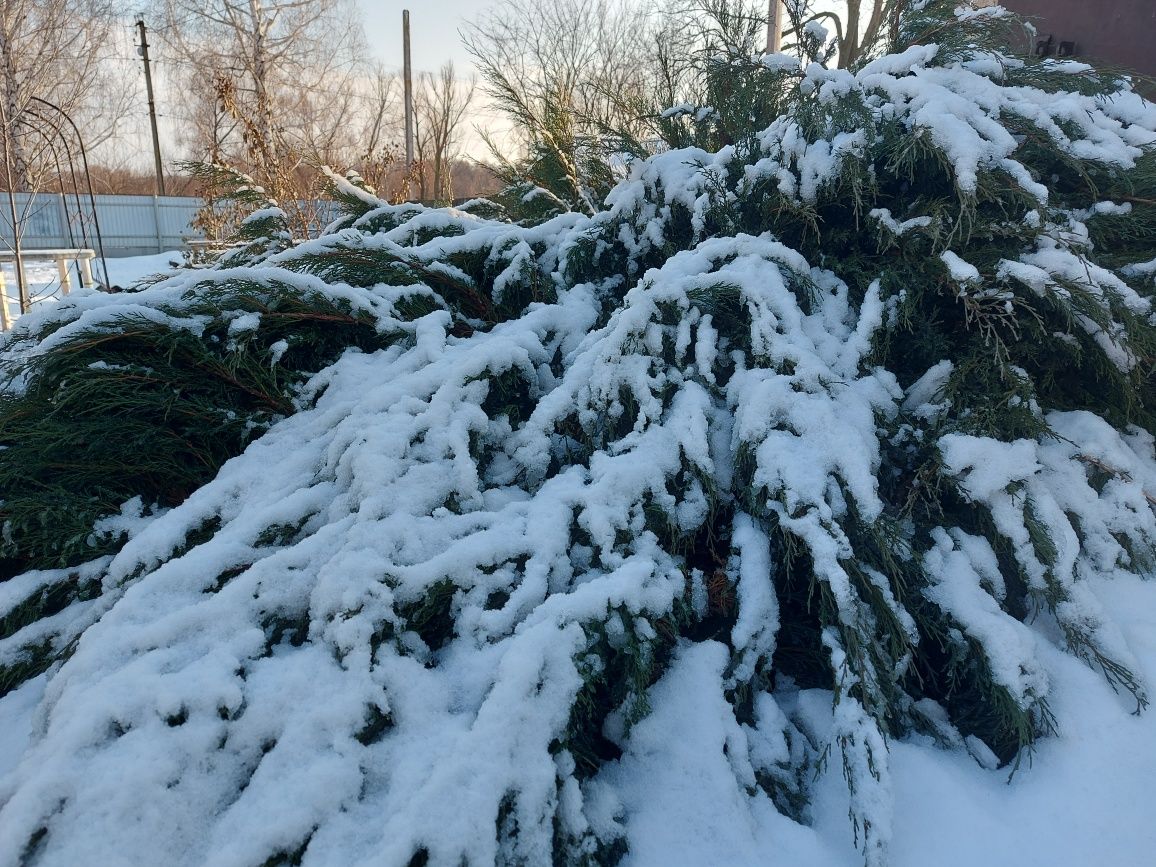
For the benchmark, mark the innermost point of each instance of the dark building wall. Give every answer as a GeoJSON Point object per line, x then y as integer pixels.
{"type": "Point", "coordinates": [1116, 32]}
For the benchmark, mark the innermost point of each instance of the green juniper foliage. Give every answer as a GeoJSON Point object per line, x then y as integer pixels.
{"type": "Point", "coordinates": [850, 389]}
{"type": "Point", "coordinates": [236, 204]}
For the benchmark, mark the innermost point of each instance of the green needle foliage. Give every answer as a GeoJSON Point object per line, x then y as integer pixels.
{"type": "Point", "coordinates": [850, 389]}
{"type": "Point", "coordinates": [151, 407]}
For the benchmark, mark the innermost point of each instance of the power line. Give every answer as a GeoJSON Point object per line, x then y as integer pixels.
{"type": "Point", "coordinates": [311, 90]}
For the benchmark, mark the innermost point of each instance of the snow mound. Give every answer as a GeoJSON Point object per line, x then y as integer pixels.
{"type": "Point", "coordinates": [632, 523]}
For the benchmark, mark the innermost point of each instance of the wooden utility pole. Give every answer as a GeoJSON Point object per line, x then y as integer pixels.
{"type": "Point", "coordinates": [774, 26]}
{"type": "Point", "coordinates": [407, 74]}
{"type": "Point", "coordinates": [143, 49]}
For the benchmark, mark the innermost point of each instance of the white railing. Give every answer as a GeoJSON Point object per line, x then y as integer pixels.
{"type": "Point", "coordinates": [82, 259]}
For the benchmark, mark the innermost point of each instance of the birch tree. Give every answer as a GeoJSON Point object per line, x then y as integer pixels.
{"type": "Point", "coordinates": [59, 51]}
{"type": "Point", "coordinates": [278, 67]}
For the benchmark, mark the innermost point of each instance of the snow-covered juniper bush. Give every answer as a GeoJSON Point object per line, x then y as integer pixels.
{"type": "Point", "coordinates": [445, 537]}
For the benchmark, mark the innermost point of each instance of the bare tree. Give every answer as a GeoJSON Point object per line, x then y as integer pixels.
{"type": "Point", "coordinates": [565, 72]}
{"type": "Point", "coordinates": [55, 50]}
{"type": "Point", "coordinates": [860, 25]}
{"type": "Point", "coordinates": [279, 73]}
{"type": "Point", "coordinates": [441, 105]}
{"type": "Point", "coordinates": [380, 110]}
{"type": "Point", "coordinates": [205, 131]}
{"type": "Point", "coordinates": [576, 53]}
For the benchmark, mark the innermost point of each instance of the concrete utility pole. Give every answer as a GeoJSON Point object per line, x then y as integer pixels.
{"type": "Point", "coordinates": [407, 74]}
{"type": "Point", "coordinates": [774, 26]}
{"type": "Point", "coordinates": [143, 50]}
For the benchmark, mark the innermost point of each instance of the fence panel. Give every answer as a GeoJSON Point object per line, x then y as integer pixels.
{"type": "Point", "coordinates": [129, 225]}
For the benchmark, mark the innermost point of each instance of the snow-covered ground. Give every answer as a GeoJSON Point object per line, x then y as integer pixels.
{"type": "Point", "coordinates": [44, 284]}
{"type": "Point", "coordinates": [1085, 798]}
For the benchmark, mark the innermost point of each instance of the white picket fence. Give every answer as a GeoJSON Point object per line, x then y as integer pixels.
{"type": "Point", "coordinates": [129, 225]}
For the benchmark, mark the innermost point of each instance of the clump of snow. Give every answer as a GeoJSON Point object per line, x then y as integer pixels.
{"type": "Point", "coordinates": [815, 30]}
{"type": "Point", "coordinates": [896, 227]}
{"type": "Point", "coordinates": [780, 62]}
{"type": "Point", "coordinates": [961, 272]}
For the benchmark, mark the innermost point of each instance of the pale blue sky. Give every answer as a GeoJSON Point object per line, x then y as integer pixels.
{"type": "Point", "coordinates": [434, 39]}
{"type": "Point", "coordinates": [433, 30]}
